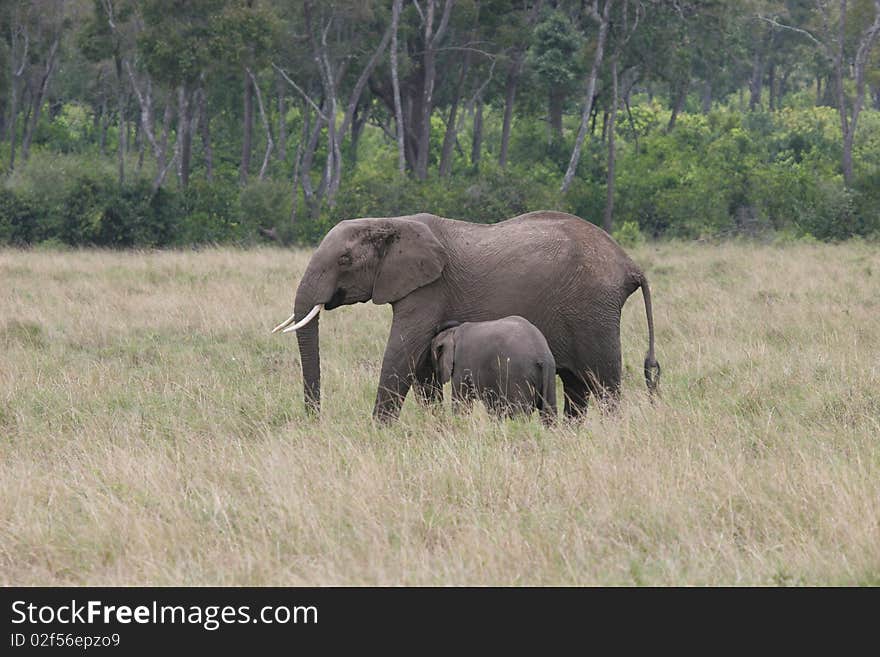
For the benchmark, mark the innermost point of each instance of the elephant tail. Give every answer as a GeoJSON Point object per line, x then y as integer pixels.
{"type": "Point", "coordinates": [652, 367]}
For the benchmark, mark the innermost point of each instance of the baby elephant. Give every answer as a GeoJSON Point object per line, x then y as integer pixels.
{"type": "Point", "coordinates": [505, 362]}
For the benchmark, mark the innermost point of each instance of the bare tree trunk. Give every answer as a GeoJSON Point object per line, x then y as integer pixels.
{"type": "Point", "coordinates": [186, 119]}
{"type": "Point", "coordinates": [308, 158]}
{"type": "Point", "coordinates": [282, 118]}
{"type": "Point", "coordinates": [555, 103]}
{"type": "Point", "coordinates": [509, 98]}
{"type": "Point", "coordinates": [269, 141]}
{"type": "Point", "coordinates": [205, 132]}
{"type": "Point", "coordinates": [477, 141]}
{"type": "Point", "coordinates": [333, 165]}
{"type": "Point", "coordinates": [163, 163]}
{"type": "Point", "coordinates": [845, 128]}
{"type": "Point", "coordinates": [609, 187]}
{"type": "Point", "coordinates": [756, 81]}
{"type": "Point", "coordinates": [26, 103]}
{"type": "Point", "coordinates": [104, 125]}
{"type": "Point", "coordinates": [358, 122]}
{"type": "Point", "coordinates": [632, 123]}
{"type": "Point", "coordinates": [849, 121]}
{"type": "Point", "coordinates": [247, 130]}
{"type": "Point", "coordinates": [13, 116]}
{"type": "Point", "coordinates": [120, 103]}
{"type": "Point", "coordinates": [38, 99]}
{"type": "Point", "coordinates": [450, 136]}
{"type": "Point", "coordinates": [167, 117]}
{"type": "Point", "coordinates": [145, 99]}
{"type": "Point", "coordinates": [678, 106]}
{"type": "Point", "coordinates": [141, 147]}
{"type": "Point", "coordinates": [771, 85]}
{"type": "Point", "coordinates": [707, 97]}
{"type": "Point", "coordinates": [395, 81]}
{"type": "Point", "coordinates": [432, 39]}
{"type": "Point", "coordinates": [588, 95]}
{"type": "Point", "coordinates": [297, 162]}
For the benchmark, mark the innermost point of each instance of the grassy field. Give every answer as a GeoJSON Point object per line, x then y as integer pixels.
{"type": "Point", "coordinates": [152, 432]}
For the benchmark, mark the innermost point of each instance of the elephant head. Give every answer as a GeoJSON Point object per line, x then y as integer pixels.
{"type": "Point", "coordinates": [358, 260]}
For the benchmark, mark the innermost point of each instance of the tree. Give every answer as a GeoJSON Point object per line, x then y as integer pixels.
{"type": "Point", "coordinates": [553, 59]}
{"type": "Point", "coordinates": [19, 45]}
{"type": "Point", "coordinates": [395, 82]}
{"type": "Point", "coordinates": [49, 25]}
{"type": "Point", "coordinates": [602, 20]}
{"type": "Point", "coordinates": [331, 37]}
{"type": "Point", "coordinates": [846, 35]}
{"type": "Point", "coordinates": [517, 34]}
{"type": "Point", "coordinates": [108, 36]}
{"type": "Point", "coordinates": [433, 35]}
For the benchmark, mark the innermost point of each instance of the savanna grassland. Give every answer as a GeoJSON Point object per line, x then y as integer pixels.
{"type": "Point", "coordinates": [152, 432]}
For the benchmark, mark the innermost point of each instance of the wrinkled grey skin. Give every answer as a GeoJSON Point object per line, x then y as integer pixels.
{"type": "Point", "coordinates": [563, 274]}
{"type": "Point", "coordinates": [506, 363]}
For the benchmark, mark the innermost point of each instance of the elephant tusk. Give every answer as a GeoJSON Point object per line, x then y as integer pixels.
{"type": "Point", "coordinates": [305, 320]}
{"type": "Point", "coordinates": [285, 323]}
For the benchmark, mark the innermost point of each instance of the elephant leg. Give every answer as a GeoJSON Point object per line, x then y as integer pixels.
{"type": "Point", "coordinates": [604, 374]}
{"type": "Point", "coordinates": [604, 383]}
{"type": "Point", "coordinates": [399, 365]}
{"type": "Point", "coordinates": [393, 388]}
{"type": "Point", "coordinates": [429, 390]}
{"type": "Point", "coordinates": [577, 394]}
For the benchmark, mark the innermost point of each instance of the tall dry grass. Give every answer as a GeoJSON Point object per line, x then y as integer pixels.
{"type": "Point", "coordinates": [152, 432]}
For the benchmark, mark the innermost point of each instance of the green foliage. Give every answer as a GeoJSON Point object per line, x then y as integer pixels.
{"type": "Point", "coordinates": [17, 219]}
{"type": "Point", "coordinates": [629, 235]}
{"type": "Point", "coordinates": [266, 204]}
{"type": "Point", "coordinates": [491, 195]}
{"type": "Point", "coordinates": [68, 131]}
{"type": "Point", "coordinates": [729, 172]}
{"type": "Point", "coordinates": [211, 213]}
{"type": "Point", "coordinates": [136, 216]}
{"type": "Point", "coordinates": [555, 43]}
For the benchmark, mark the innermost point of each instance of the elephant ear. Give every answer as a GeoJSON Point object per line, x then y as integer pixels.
{"type": "Point", "coordinates": [443, 354]}
{"type": "Point", "coordinates": [411, 257]}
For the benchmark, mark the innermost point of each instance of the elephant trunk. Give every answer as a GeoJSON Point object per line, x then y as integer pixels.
{"type": "Point", "coordinates": [314, 290]}
{"type": "Point", "coordinates": [309, 355]}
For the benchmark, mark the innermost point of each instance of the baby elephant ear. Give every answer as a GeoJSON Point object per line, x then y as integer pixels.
{"type": "Point", "coordinates": [411, 257]}
{"type": "Point", "coordinates": [443, 354]}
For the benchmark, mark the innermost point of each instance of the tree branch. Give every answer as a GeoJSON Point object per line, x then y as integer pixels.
{"type": "Point", "coordinates": [783, 26]}
{"type": "Point", "coordinates": [270, 144]}
{"type": "Point", "coordinates": [301, 92]}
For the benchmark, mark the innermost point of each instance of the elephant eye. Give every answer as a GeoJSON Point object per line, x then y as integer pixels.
{"type": "Point", "coordinates": [345, 260]}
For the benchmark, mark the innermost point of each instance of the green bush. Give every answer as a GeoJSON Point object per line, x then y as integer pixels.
{"type": "Point", "coordinates": [628, 235]}
{"type": "Point", "coordinates": [265, 204]}
{"type": "Point", "coordinates": [136, 216]}
{"type": "Point", "coordinates": [727, 172]}
{"type": "Point", "coordinates": [18, 219]}
{"type": "Point", "coordinates": [82, 212]}
{"type": "Point", "coordinates": [211, 213]}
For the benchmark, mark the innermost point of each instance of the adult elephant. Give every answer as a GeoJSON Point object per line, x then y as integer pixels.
{"type": "Point", "coordinates": [563, 274]}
